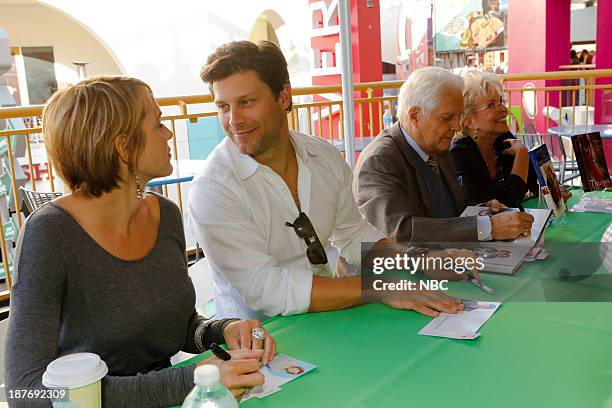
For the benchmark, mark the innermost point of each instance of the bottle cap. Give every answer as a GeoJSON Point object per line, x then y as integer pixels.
{"type": "Point", "coordinates": [206, 374]}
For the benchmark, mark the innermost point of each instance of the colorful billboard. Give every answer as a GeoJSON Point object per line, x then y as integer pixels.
{"type": "Point", "coordinates": [464, 25]}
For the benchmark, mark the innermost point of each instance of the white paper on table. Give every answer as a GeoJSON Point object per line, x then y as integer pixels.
{"type": "Point", "coordinates": [593, 204]}
{"type": "Point", "coordinates": [259, 392]}
{"type": "Point", "coordinates": [465, 324]}
{"type": "Point", "coordinates": [279, 371]}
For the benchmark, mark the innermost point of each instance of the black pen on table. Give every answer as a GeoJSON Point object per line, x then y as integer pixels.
{"type": "Point", "coordinates": [220, 353]}
{"type": "Point", "coordinates": [519, 205]}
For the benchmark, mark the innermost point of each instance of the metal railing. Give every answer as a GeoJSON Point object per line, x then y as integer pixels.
{"type": "Point", "coordinates": [316, 110]}
{"type": "Point", "coordinates": [567, 95]}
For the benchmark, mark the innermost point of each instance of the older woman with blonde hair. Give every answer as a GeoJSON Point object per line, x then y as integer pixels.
{"type": "Point", "coordinates": [490, 162]}
{"type": "Point", "coordinates": [103, 268]}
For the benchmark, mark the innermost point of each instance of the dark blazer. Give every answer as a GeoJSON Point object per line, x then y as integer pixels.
{"type": "Point", "coordinates": [391, 192]}
{"type": "Point", "coordinates": [473, 174]}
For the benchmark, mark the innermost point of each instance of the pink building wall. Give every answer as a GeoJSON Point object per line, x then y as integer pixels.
{"type": "Point", "coordinates": [538, 41]}
{"type": "Point", "coordinates": [603, 60]}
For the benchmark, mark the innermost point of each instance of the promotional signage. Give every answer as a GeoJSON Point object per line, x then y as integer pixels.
{"type": "Point", "coordinates": [464, 25]}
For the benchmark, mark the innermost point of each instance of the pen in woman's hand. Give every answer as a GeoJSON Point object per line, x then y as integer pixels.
{"type": "Point", "coordinates": [220, 353]}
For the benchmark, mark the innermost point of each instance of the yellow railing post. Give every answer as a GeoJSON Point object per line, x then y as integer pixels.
{"type": "Point", "coordinates": [341, 122]}
{"type": "Point", "coordinates": [360, 119]}
{"type": "Point", "coordinates": [330, 121]}
{"type": "Point", "coordinates": [370, 92]}
{"type": "Point", "coordinates": [309, 113]}
{"type": "Point", "coordinates": [178, 185]}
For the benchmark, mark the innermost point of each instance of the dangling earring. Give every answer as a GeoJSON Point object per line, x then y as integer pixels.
{"type": "Point", "coordinates": [476, 133]}
{"type": "Point", "coordinates": [139, 193]}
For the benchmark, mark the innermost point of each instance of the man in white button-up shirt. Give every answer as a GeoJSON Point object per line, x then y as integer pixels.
{"type": "Point", "coordinates": [263, 176]}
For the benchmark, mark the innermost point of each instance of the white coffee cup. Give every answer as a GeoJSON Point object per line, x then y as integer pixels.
{"type": "Point", "coordinates": [80, 374]}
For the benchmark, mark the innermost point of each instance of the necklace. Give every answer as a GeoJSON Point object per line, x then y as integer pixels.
{"type": "Point", "coordinates": [490, 161]}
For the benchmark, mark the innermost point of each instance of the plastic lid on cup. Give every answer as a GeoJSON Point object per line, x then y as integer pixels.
{"type": "Point", "coordinates": [206, 374]}
{"type": "Point", "coordinates": [74, 371]}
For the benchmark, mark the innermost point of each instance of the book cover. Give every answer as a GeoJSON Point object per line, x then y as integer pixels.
{"type": "Point", "coordinates": [589, 152]}
{"type": "Point", "coordinates": [550, 190]}
{"type": "Point", "coordinates": [507, 257]}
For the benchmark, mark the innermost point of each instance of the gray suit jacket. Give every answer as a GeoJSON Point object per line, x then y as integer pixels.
{"type": "Point", "coordinates": [392, 195]}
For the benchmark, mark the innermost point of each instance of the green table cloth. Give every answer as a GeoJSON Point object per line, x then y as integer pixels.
{"type": "Point", "coordinates": [530, 353]}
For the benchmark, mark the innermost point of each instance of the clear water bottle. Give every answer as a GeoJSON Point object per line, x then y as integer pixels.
{"type": "Point", "coordinates": [208, 392]}
{"type": "Point", "coordinates": [387, 119]}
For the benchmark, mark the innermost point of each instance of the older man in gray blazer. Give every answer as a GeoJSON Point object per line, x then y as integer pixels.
{"type": "Point", "coordinates": [405, 181]}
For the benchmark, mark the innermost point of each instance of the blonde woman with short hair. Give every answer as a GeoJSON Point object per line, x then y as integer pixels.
{"type": "Point", "coordinates": [490, 162]}
{"type": "Point", "coordinates": [103, 268]}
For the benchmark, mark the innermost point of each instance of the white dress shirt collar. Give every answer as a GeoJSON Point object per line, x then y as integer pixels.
{"type": "Point", "coordinates": [414, 145]}
{"type": "Point", "coordinates": [247, 165]}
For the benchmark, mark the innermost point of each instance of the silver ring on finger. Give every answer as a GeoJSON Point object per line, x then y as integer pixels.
{"type": "Point", "coordinates": [258, 333]}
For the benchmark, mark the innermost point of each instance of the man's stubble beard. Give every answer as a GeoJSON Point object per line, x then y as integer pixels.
{"type": "Point", "coordinates": [269, 139]}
